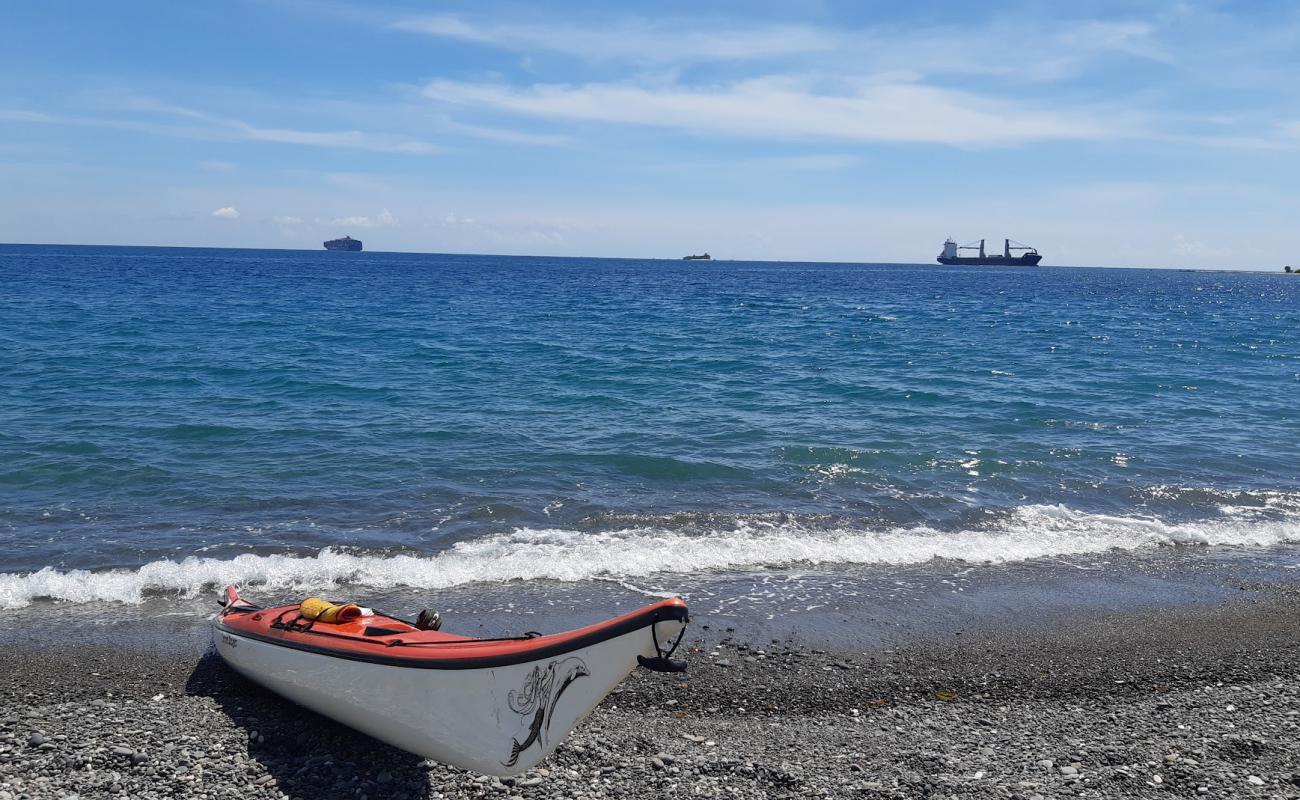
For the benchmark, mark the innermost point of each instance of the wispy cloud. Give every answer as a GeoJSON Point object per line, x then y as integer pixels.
{"type": "Point", "coordinates": [1057, 48]}
{"type": "Point", "coordinates": [636, 40]}
{"type": "Point", "coordinates": [348, 139]}
{"type": "Point", "coordinates": [808, 163]}
{"type": "Point", "coordinates": [783, 108]}
{"type": "Point", "coordinates": [1045, 50]}
{"type": "Point", "coordinates": [226, 212]}
{"type": "Point", "coordinates": [355, 140]}
{"type": "Point", "coordinates": [218, 128]}
{"type": "Point", "coordinates": [22, 115]}
{"type": "Point", "coordinates": [1134, 37]}
{"type": "Point", "coordinates": [506, 135]}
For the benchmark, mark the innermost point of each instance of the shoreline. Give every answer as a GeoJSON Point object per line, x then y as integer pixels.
{"type": "Point", "coordinates": [841, 607]}
{"type": "Point", "coordinates": [1198, 696]}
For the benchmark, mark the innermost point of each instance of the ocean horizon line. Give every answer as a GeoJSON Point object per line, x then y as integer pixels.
{"type": "Point", "coordinates": [669, 259]}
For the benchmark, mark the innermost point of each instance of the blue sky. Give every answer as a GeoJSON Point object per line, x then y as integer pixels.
{"type": "Point", "coordinates": [1128, 134]}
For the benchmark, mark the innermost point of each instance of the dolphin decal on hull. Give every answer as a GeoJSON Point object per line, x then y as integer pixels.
{"type": "Point", "coordinates": [538, 696]}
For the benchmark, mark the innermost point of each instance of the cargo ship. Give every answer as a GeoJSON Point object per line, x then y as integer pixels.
{"type": "Point", "coordinates": [700, 257]}
{"type": "Point", "coordinates": [1028, 256]}
{"type": "Point", "coordinates": [346, 243]}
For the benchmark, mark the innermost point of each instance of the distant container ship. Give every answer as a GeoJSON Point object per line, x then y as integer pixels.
{"type": "Point", "coordinates": [1028, 257]}
{"type": "Point", "coordinates": [346, 243]}
{"type": "Point", "coordinates": [700, 257]}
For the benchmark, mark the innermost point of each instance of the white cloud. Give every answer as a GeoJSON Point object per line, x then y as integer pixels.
{"type": "Point", "coordinates": [384, 219]}
{"type": "Point", "coordinates": [287, 221]}
{"type": "Point", "coordinates": [226, 212]}
{"type": "Point", "coordinates": [791, 109]}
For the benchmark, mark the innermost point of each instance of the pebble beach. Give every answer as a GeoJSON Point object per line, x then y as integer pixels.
{"type": "Point", "coordinates": [1172, 702]}
{"type": "Point", "coordinates": [459, 370]}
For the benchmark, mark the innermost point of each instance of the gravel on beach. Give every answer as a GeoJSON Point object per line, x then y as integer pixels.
{"type": "Point", "coordinates": [1190, 702]}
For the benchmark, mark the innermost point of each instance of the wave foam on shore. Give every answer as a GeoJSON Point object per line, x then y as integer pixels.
{"type": "Point", "coordinates": [1028, 532]}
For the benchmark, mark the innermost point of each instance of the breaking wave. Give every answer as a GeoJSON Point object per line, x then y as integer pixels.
{"type": "Point", "coordinates": [1026, 533]}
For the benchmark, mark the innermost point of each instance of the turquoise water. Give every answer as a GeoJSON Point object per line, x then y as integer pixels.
{"type": "Point", "coordinates": [173, 418]}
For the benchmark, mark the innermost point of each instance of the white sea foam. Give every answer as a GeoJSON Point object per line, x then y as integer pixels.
{"type": "Point", "coordinates": [1029, 532]}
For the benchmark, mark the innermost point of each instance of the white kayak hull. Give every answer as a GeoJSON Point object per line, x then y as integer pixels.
{"type": "Point", "coordinates": [498, 720]}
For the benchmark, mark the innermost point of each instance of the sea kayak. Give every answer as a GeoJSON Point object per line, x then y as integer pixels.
{"type": "Point", "coordinates": [496, 706]}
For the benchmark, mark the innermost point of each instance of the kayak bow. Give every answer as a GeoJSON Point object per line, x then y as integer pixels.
{"type": "Point", "coordinates": [496, 706]}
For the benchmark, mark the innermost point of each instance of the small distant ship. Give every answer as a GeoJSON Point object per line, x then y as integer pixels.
{"type": "Point", "coordinates": [700, 257]}
{"type": "Point", "coordinates": [1028, 257]}
{"type": "Point", "coordinates": [346, 243]}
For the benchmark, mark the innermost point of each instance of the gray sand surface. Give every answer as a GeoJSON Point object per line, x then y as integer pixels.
{"type": "Point", "coordinates": [1190, 702]}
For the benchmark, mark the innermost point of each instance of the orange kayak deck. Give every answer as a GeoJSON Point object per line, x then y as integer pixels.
{"type": "Point", "coordinates": [383, 639]}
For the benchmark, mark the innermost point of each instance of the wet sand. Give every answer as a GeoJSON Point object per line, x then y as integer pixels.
{"type": "Point", "coordinates": [1171, 702]}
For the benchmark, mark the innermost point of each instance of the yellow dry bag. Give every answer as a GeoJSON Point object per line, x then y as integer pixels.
{"type": "Point", "coordinates": [314, 608]}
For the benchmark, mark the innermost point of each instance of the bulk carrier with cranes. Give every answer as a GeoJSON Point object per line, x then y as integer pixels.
{"type": "Point", "coordinates": [1028, 256]}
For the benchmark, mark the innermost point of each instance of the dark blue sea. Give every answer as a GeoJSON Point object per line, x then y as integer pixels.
{"type": "Point", "coordinates": [175, 419]}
